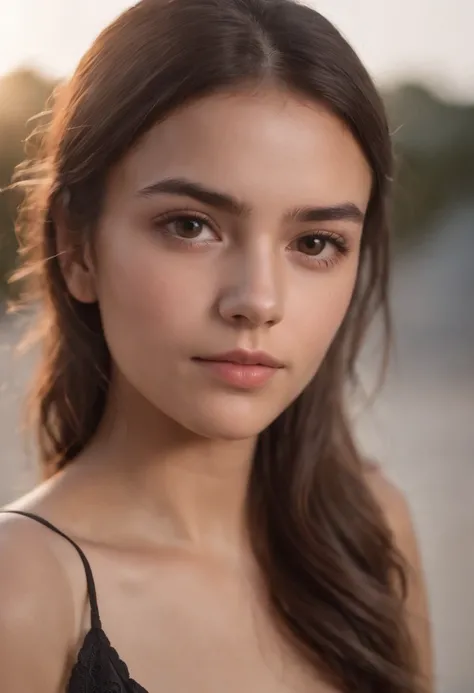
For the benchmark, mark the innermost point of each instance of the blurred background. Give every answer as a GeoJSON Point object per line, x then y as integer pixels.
{"type": "Point", "coordinates": [421, 428]}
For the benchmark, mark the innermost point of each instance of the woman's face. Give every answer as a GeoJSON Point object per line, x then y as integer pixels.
{"type": "Point", "coordinates": [235, 224]}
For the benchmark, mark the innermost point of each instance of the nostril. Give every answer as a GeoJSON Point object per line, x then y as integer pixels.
{"type": "Point", "coordinates": [240, 318]}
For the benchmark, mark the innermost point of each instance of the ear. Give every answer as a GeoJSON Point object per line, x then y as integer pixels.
{"type": "Point", "coordinates": [75, 259]}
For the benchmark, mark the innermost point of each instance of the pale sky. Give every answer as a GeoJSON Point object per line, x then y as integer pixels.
{"type": "Point", "coordinates": [429, 39]}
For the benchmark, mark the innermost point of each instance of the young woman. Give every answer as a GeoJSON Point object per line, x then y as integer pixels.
{"type": "Point", "coordinates": [208, 235]}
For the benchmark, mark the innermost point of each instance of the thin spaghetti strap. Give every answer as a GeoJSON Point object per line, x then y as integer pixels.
{"type": "Point", "coordinates": [91, 591]}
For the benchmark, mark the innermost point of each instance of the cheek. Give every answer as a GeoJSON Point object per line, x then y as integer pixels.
{"type": "Point", "coordinates": [144, 300]}
{"type": "Point", "coordinates": [318, 314]}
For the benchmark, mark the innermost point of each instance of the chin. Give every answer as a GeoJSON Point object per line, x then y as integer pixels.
{"type": "Point", "coordinates": [230, 421]}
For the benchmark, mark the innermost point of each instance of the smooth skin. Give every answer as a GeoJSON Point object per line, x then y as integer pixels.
{"type": "Point", "coordinates": [156, 500]}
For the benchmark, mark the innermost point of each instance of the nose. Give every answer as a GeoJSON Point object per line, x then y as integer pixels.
{"type": "Point", "coordinates": [254, 295]}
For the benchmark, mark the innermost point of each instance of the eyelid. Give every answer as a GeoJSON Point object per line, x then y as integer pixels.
{"type": "Point", "coordinates": [326, 234]}
{"type": "Point", "coordinates": [341, 248]}
{"type": "Point", "coordinates": [174, 214]}
{"type": "Point", "coordinates": [162, 221]}
{"type": "Point", "coordinates": [338, 239]}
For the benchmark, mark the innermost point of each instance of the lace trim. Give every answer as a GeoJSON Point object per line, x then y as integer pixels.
{"type": "Point", "coordinates": [99, 669]}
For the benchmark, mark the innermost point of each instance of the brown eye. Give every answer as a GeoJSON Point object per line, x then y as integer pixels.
{"type": "Point", "coordinates": [320, 248]}
{"type": "Point", "coordinates": [187, 227]}
{"type": "Point", "coordinates": [311, 244]}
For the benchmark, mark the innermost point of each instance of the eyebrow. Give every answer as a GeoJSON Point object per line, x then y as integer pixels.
{"type": "Point", "coordinates": [346, 211]}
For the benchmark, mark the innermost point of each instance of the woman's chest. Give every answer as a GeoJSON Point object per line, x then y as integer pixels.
{"type": "Point", "coordinates": [207, 660]}
{"type": "Point", "coordinates": [204, 636]}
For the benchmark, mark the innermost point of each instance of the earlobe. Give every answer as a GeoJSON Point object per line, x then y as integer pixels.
{"type": "Point", "coordinates": [80, 279]}
{"type": "Point", "coordinates": [75, 260]}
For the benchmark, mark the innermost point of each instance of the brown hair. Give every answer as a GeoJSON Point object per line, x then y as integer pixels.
{"type": "Point", "coordinates": [333, 575]}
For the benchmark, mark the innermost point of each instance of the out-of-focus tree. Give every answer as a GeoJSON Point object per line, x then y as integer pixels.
{"type": "Point", "coordinates": [23, 95]}
{"type": "Point", "coordinates": [434, 145]}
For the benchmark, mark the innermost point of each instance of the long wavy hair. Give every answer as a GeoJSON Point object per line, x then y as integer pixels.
{"type": "Point", "coordinates": [335, 580]}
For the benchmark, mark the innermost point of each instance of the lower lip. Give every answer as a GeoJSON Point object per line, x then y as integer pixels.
{"type": "Point", "coordinates": [240, 375]}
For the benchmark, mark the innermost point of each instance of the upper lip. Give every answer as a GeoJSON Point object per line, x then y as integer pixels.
{"type": "Point", "coordinates": [246, 357]}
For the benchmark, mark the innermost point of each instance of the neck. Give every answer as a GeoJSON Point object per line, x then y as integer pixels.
{"type": "Point", "coordinates": [195, 488]}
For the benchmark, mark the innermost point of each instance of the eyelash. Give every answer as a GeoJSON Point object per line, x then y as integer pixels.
{"type": "Point", "coordinates": [338, 242]}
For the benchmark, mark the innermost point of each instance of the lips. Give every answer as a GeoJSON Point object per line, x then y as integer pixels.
{"type": "Point", "coordinates": [245, 358]}
{"type": "Point", "coordinates": [245, 370]}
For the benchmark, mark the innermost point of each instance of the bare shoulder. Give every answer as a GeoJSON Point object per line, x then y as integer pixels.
{"type": "Point", "coordinates": [37, 621]}
{"type": "Point", "coordinates": [396, 509]}
{"type": "Point", "coordinates": [392, 501]}
{"type": "Point", "coordinates": [398, 515]}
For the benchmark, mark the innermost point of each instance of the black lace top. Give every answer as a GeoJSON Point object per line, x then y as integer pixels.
{"type": "Point", "coordinates": [98, 668]}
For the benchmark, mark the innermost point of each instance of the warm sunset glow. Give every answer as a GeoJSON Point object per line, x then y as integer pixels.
{"type": "Point", "coordinates": [12, 36]}
{"type": "Point", "coordinates": [397, 39]}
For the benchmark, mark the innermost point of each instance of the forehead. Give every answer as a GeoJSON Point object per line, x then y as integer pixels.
{"type": "Point", "coordinates": [261, 146]}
